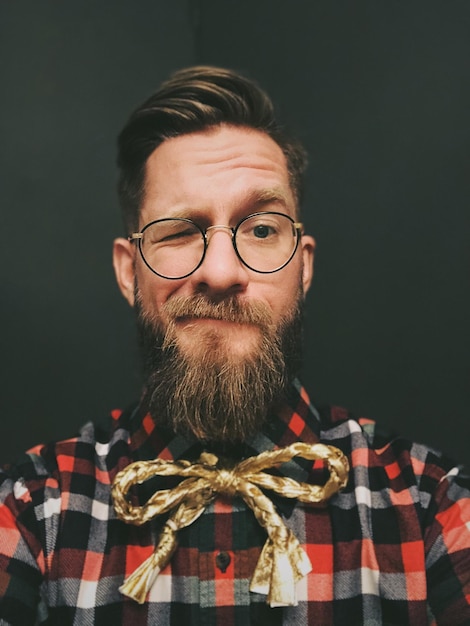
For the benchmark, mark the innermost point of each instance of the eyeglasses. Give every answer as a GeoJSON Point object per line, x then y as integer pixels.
{"type": "Point", "coordinates": [174, 248]}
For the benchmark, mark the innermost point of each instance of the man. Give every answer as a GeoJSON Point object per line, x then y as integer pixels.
{"type": "Point", "coordinates": [224, 496]}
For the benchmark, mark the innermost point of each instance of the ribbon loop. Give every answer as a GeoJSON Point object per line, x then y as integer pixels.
{"type": "Point", "coordinates": [282, 562]}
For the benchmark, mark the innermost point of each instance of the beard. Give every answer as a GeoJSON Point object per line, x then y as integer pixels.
{"type": "Point", "coordinates": [207, 392]}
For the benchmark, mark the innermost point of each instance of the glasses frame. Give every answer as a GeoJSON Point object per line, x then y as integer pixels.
{"type": "Point", "coordinates": [138, 236]}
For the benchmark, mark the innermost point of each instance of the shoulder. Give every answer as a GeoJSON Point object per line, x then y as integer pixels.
{"type": "Point", "coordinates": [400, 462]}
{"type": "Point", "coordinates": [96, 450]}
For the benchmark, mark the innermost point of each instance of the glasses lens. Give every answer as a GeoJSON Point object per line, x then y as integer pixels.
{"type": "Point", "coordinates": [267, 241]}
{"type": "Point", "coordinates": [172, 248]}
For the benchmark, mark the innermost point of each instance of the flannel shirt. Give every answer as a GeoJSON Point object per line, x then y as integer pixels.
{"type": "Point", "coordinates": [392, 548]}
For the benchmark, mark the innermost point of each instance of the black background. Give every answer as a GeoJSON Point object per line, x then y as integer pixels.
{"type": "Point", "coordinates": [378, 91]}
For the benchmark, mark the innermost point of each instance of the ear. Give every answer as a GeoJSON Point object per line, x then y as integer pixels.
{"type": "Point", "coordinates": [124, 267]}
{"type": "Point", "coordinates": [308, 252]}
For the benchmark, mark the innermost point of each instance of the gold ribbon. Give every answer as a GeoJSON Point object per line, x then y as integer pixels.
{"type": "Point", "coordinates": [282, 562]}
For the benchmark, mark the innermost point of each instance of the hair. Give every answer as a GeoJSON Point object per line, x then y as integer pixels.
{"type": "Point", "coordinates": [192, 100]}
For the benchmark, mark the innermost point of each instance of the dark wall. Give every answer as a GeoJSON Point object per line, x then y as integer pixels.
{"type": "Point", "coordinates": [70, 75]}
{"type": "Point", "coordinates": [379, 91]}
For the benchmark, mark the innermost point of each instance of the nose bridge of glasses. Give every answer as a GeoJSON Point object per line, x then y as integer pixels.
{"type": "Point", "coordinates": [215, 227]}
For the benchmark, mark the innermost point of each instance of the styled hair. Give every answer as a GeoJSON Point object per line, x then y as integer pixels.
{"type": "Point", "coordinates": [192, 100]}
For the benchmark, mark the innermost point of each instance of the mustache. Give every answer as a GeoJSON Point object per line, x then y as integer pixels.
{"type": "Point", "coordinates": [230, 309]}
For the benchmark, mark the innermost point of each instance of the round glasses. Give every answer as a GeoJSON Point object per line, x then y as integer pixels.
{"type": "Point", "coordinates": [174, 248]}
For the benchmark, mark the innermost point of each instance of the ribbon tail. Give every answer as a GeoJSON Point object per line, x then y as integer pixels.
{"type": "Point", "coordinates": [261, 579]}
{"type": "Point", "coordinates": [288, 568]}
{"type": "Point", "coordinates": [139, 583]}
{"type": "Point", "coordinates": [282, 587]}
{"type": "Point", "coordinates": [278, 570]}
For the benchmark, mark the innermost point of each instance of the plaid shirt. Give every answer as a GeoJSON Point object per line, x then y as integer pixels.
{"type": "Point", "coordinates": [392, 548]}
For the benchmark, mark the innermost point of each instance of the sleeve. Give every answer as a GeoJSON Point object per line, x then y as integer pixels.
{"type": "Point", "coordinates": [447, 542]}
{"type": "Point", "coordinates": [21, 555]}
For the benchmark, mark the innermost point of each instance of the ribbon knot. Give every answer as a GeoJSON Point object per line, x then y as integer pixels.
{"type": "Point", "coordinates": [225, 483]}
{"type": "Point", "coordinates": [282, 562]}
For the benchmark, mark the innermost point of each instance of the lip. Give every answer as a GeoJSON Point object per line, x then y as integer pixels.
{"type": "Point", "coordinates": [212, 321]}
{"type": "Point", "coordinates": [193, 320]}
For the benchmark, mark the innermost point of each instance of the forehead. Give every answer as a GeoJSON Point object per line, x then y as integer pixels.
{"type": "Point", "coordinates": [218, 168]}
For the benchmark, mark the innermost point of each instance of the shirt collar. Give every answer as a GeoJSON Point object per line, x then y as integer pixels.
{"type": "Point", "coordinates": [295, 419]}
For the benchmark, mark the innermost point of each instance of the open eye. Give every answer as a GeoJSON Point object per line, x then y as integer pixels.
{"type": "Point", "coordinates": [262, 228]}
{"type": "Point", "coordinates": [261, 231]}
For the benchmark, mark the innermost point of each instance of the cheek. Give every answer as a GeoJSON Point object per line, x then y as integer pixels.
{"type": "Point", "coordinates": [281, 297]}
{"type": "Point", "coordinates": [292, 300]}
{"type": "Point", "coordinates": [155, 291]}
{"type": "Point", "coordinates": [286, 301]}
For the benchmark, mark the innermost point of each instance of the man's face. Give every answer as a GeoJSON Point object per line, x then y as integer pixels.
{"type": "Point", "coordinates": [216, 177]}
{"type": "Point", "coordinates": [221, 345]}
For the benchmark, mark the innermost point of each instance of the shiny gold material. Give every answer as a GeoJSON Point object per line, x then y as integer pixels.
{"type": "Point", "coordinates": [282, 562]}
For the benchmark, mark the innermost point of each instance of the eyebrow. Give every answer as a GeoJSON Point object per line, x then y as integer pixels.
{"type": "Point", "coordinates": [268, 196]}
{"type": "Point", "coordinates": [253, 201]}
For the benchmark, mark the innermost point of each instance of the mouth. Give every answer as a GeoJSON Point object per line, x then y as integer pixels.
{"type": "Point", "coordinates": [198, 334]}
{"type": "Point", "coordinates": [188, 320]}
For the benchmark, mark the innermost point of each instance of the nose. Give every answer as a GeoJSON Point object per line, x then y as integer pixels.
{"type": "Point", "coordinates": [221, 272]}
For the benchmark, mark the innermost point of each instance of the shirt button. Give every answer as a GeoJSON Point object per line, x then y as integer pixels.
{"type": "Point", "coordinates": [222, 560]}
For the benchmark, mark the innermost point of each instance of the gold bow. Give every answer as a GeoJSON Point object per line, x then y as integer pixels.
{"type": "Point", "coordinates": [282, 562]}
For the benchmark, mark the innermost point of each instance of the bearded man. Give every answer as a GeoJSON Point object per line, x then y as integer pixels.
{"type": "Point", "coordinates": [224, 496]}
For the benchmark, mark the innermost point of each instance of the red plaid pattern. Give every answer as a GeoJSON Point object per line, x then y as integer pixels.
{"type": "Point", "coordinates": [392, 548]}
